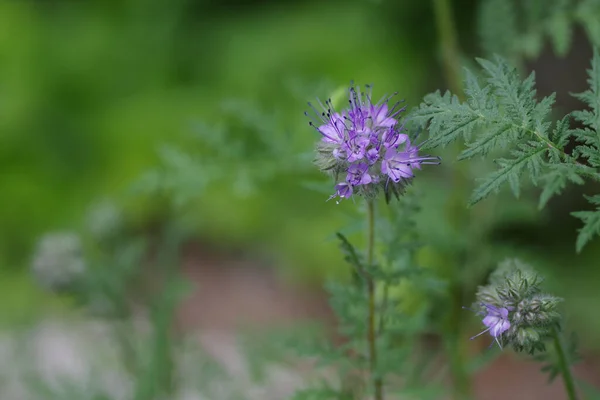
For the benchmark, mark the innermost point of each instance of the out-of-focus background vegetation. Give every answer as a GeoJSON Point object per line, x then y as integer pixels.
{"type": "Point", "coordinates": [190, 111]}
{"type": "Point", "coordinates": [92, 93]}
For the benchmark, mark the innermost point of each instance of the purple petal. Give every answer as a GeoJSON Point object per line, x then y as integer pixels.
{"type": "Point", "coordinates": [366, 179]}
{"type": "Point", "coordinates": [372, 155]}
{"type": "Point", "coordinates": [356, 148]}
{"type": "Point", "coordinates": [391, 138]}
{"type": "Point", "coordinates": [333, 131]}
{"type": "Point", "coordinates": [501, 327]}
{"type": "Point", "coordinates": [395, 165]}
{"type": "Point", "coordinates": [343, 190]}
{"type": "Point", "coordinates": [491, 320]}
{"type": "Point", "coordinates": [329, 133]}
{"type": "Point", "coordinates": [396, 173]}
{"type": "Point", "coordinates": [357, 174]}
{"type": "Point", "coordinates": [379, 114]}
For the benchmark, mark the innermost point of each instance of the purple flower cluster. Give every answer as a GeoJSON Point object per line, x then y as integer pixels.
{"type": "Point", "coordinates": [364, 143]}
{"type": "Point", "coordinates": [496, 320]}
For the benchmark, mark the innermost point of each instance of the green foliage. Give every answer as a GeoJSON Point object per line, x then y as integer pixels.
{"type": "Point", "coordinates": [236, 177]}
{"type": "Point", "coordinates": [503, 116]}
{"type": "Point", "coordinates": [591, 222]}
{"type": "Point", "coordinates": [519, 28]}
{"type": "Point", "coordinates": [246, 147]}
{"type": "Point", "coordinates": [139, 74]}
{"type": "Point", "coordinates": [551, 366]}
{"type": "Point", "coordinates": [398, 326]}
{"type": "Point", "coordinates": [591, 391]}
{"type": "Point", "coordinates": [588, 148]}
{"type": "Point", "coordinates": [321, 393]}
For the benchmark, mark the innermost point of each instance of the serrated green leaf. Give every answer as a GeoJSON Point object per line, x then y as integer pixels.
{"type": "Point", "coordinates": [556, 180]}
{"type": "Point", "coordinates": [488, 142]}
{"type": "Point", "coordinates": [591, 223]}
{"type": "Point", "coordinates": [510, 171]}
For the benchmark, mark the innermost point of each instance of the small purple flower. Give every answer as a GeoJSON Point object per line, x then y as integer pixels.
{"type": "Point", "coordinates": [366, 142]}
{"type": "Point", "coordinates": [356, 147]}
{"type": "Point", "coordinates": [372, 155]}
{"type": "Point", "coordinates": [358, 175]}
{"type": "Point", "coordinates": [380, 117]}
{"type": "Point", "coordinates": [399, 164]}
{"type": "Point", "coordinates": [334, 130]}
{"type": "Point", "coordinates": [496, 321]}
{"type": "Point", "coordinates": [396, 165]}
{"type": "Point", "coordinates": [343, 190]}
{"type": "Point", "coordinates": [392, 138]}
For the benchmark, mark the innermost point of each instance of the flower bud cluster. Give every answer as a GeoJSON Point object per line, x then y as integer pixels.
{"type": "Point", "coordinates": [525, 316]}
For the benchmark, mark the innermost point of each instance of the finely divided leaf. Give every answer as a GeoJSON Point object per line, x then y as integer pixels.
{"type": "Point", "coordinates": [589, 137]}
{"type": "Point", "coordinates": [589, 149]}
{"type": "Point", "coordinates": [448, 119]}
{"type": "Point", "coordinates": [500, 115]}
{"type": "Point", "coordinates": [556, 180]}
{"type": "Point", "coordinates": [351, 257]}
{"type": "Point", "coordinates": [591, 222]}
{"type": "Point", "coordinates": [528, 157]}
{"type": "Point", "coordinates": [504, 115]}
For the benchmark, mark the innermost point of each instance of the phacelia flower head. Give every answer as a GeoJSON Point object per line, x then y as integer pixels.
{"type": "Point", "coordinates": [364, 147]}
{"type": "Point", "coordinates": [515, 309]}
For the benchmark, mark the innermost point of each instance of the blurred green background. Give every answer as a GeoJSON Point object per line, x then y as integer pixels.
{"type": "Point", "coordinates": [192, 111]}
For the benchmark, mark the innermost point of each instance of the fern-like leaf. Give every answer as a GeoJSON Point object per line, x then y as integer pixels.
{"type": "Point", "coordinates": [589, 136]}
{"type": "Point", "coordinates": [556, 180]}
{"type": "Point", "coordinates": [502, 114]}
{"type": "Point", "coordinates": [588, 148]}
{"type": "Point", "coordinates": [526, 157]}
{"type": "Point", "coordinates": [591, 222]}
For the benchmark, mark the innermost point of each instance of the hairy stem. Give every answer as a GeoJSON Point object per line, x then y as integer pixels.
{"type": "Point", "coordinates": [372, 338]}
{"type": "Point", "coordinates": [563, 364]}
{"type": "Point", "coordinates": [449, 45]}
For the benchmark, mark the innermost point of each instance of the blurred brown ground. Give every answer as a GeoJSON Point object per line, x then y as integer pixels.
{"type": "Point", "coordinates": [232, 293]}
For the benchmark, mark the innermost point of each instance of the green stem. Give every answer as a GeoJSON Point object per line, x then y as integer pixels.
{"type": "Point", "coordinates": [454, 342]}
{"type": "Point", "coordinates": [447, 38]}
{"type": "Point", "coordinates": [563, 364]}
{"type": "Point", "coordinates": [371, 335]}
{"type": "Point", "coordinates": [456, 351]}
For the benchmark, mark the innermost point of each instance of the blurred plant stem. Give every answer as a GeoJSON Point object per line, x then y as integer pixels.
{"type": "Point", "coordinates": [449, 45]}
{"type": "Point", "coordinates": [372, 339]}
{"type": "Point", "coordinates": [563, 364]}
{"type": "Point", "coordinates": [454, 344]}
